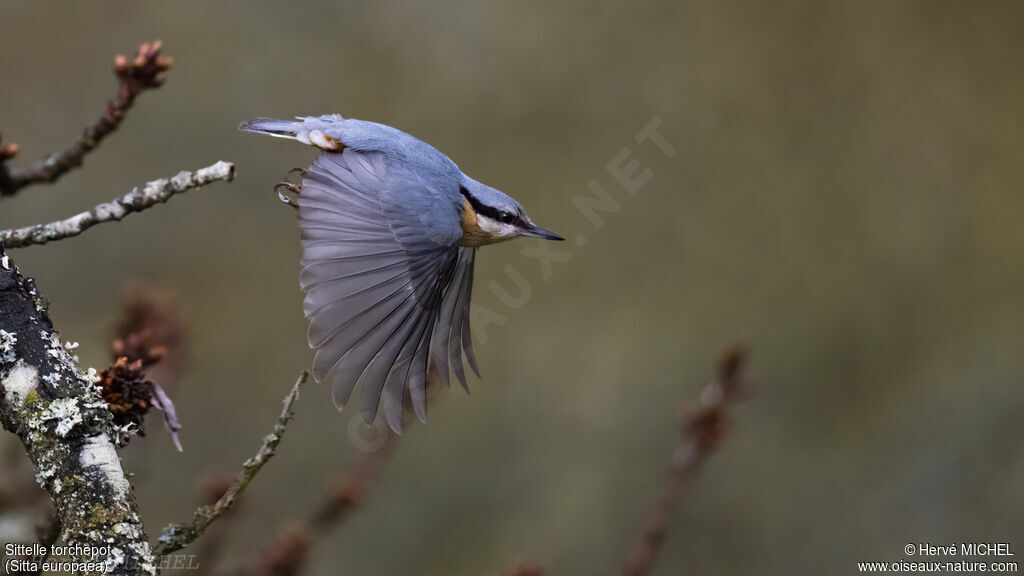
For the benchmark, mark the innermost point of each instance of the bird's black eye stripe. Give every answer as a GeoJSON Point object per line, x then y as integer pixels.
{"type": "Point", "coordinates": [492, 212]}
{"type": "Point", "coordinates": [478, 206]}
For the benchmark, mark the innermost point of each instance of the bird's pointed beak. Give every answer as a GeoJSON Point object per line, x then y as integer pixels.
{"type": "Point", "coordinates": [538, 232]}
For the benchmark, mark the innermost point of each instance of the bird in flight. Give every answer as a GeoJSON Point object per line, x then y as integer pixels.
{"type": "Point", "coordinates": [390, 227]}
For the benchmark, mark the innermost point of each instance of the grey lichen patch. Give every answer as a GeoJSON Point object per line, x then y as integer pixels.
{"type": "Point", "coordinates": [58, 417]}
{"type": "Point", "coordinates": [50, 455]}
{"type": "Point", "coordinates": [145, 555]}
{"type": "Point", "coordinates": [123, 434]}
{"type": "Point", "coordinates": [7, 342]}
{"type": "Point", "coordinates": [173, 532]}
{"type": "Point", "coordinates": [114, 559]}
{"type": "Point", "coordinates": [126, 529]}
{"type": "Point", "coordinates": [54, 348]}
{"type": "Point", "coordinates": [92, 375]}
{"type": "Point", "coordinates": [65, 411]}
{"type": "Point", "coordinates": [44, 474]}
{"type": "Point", "coordinates": [52, 379]}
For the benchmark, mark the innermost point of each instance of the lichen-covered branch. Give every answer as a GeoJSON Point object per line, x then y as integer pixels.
{"type": "Point", "coordinates": [56, 411]}
{"type": "Point", "coordinates": [702, 431]}
{"type": "Point", "coordinates": [177, 536]}
{"type": "Point", "coordinates": [145, 71]}
{"type": "Point", "coordinates": [140, 198]}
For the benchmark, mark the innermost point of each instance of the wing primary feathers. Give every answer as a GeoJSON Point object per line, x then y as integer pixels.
{"type": "Point", "coordinates": [393, 399]}
{"type": "Point", "coordinates": [353, 363]}
{"type": "Point", "coordinates": [339, 315]}
{"type": "Point", "coordinates": [334, 338]}
{"type": "Point", "coordinates": [467, 336]}
{"type": "Point", "coordinates": [374, 375]}
{"type": "Point", "coordinates": [439, 340]}
{"type": "Point", "coordinates": [325, 289]}
{"type": "Point", "coordinates": [455, 325]}
{"type": "Point", "coordinates": [417, 384]}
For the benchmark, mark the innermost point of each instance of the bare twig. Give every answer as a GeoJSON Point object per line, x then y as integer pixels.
{"type": "Point", "coordinates": [140, 198]}
{"type": "Point", "coordinates": [177, 536]}
{"type": "Point", "coordinates": [147, 70]}
{"type": "Point", "coordinates": [65, 427]}
{"type": "Point", "coordinates": [286, 555]}
{"type": "Point", "coordinates": [702, 430]}
{"type": "Point", "coordinates": [211, 546]}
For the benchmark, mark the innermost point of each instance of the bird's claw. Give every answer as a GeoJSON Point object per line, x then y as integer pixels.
{"type": "Point", "coordinates": [288, 192]}
{"type": "Point", "coordinates": [291, 197]}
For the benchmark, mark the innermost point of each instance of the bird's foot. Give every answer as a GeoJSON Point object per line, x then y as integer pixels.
{"type": "Point", "coordinates": [291, 197]}
{"type": "Point", "coordinates": [288, 192]}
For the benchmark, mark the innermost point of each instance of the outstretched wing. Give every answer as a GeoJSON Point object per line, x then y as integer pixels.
{"type": "Point", "coordinates": [387, 284]}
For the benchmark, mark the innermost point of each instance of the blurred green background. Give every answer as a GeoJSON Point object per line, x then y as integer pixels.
{"type": "Point", "coordinates": [845, 198]}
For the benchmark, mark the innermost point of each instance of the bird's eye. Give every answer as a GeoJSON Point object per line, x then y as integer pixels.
{"type": "Point", "coordinates": [507, 217]}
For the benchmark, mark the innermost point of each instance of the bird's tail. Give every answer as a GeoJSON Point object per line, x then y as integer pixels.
{"type": "Point", "coordinates": [308, 130]}
{"type": "Point", "coordinates": [271, 126]}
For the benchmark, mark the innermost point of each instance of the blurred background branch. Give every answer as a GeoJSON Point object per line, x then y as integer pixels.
{"type": "Point", "coordinates": [702, 430]}
{"type": "Point", "coordinates": [288, 550]}
{"type": "Point", "coordinates": [146, 71]}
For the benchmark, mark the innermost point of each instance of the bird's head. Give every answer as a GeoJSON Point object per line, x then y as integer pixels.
{"type": "Point", "coordinates": [491, 216]}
